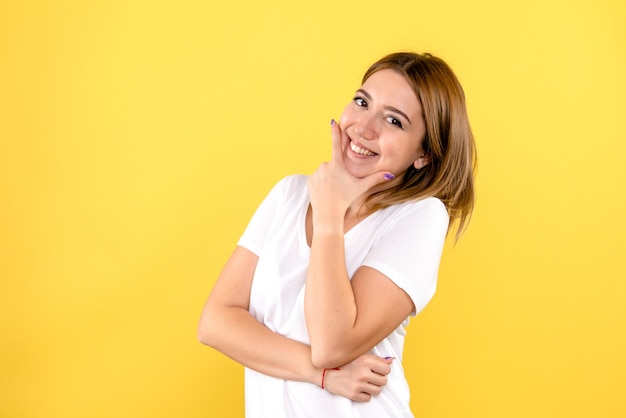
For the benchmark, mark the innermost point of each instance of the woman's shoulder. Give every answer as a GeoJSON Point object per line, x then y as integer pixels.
{"type": "Point", "coordinates": [432, 204]}
{"type": "Point", "coordinates": [290, 187]}
{"type": "Point", "coordinates": [428, 204]}
{"type": "Point", "coordinates": [296, 180]}
{"type": "Point", "coordinates": [292, 183]}
{"type": "Point", "coordinates": [427, 210]}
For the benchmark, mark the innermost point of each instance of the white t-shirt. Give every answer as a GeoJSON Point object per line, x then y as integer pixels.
{"type": "Point", "coordinates": [404, 242]}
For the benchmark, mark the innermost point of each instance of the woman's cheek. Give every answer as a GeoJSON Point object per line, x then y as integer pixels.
{"type": "Point", "coordinates": [344, 120]}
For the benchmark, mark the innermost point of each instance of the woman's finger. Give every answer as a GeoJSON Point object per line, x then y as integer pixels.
{"type": "Point", "coordinates": [382, 367]}
{"type": "Point", "coordinates": [377, 380]}
{"type": "Point", "coordinates": [375, 179]}
{"type": "Point", "coordinates": [337, 151]}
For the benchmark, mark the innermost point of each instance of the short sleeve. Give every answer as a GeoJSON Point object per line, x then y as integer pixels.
{"type": "Point", "coordinates": [409, 250]}
{"type": "Point", "coordinates": [260, 224]}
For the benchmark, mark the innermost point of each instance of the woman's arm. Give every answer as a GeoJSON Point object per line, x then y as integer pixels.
{"type": "Point", "coordinates": [345, 318]}
{"type": "Point", "coordinates": [227, 326]}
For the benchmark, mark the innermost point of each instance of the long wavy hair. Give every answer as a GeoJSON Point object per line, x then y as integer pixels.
{"type": "Point", "coordinates": [448, 142]}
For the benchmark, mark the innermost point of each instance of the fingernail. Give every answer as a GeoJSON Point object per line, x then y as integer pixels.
{"type": "Point", "coordinates": [332, 122]}
{"type": "Point", "coordinates": [388, 357]}
{"type": "Point", "coordinates": [389, 176]}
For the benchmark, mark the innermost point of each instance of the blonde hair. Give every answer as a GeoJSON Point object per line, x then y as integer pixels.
{"type": "Point", "coordinates": [448, 142]}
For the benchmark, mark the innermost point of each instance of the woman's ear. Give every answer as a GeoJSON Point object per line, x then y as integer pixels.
{"type": "Point", "coordinates": [422, 161]}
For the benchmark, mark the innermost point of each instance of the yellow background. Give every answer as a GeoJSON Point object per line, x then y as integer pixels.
{"type": "Point", "coordinates": [137, 138]}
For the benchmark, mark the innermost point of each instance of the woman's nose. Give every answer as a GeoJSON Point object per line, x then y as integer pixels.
{"type": "Point", "coordinates": [365, 128]}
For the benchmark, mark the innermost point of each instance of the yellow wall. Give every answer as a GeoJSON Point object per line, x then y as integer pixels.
{"type": "Point", "coordinates": [137, 137]}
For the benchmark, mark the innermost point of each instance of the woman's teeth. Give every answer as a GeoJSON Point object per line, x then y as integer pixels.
{"type": "Point", "coordinates": [360, 150]}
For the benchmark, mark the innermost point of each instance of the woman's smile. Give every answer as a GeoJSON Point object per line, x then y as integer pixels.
{"type": "Point", "coordinates": [360, 150]}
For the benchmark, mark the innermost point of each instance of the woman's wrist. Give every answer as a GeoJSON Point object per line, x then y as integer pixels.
{"type": "Point", "coordinates": [328, 224]}
{"type": "Point", "coordinates": [325, 373]}
{"type": "Point", "coordinates": [314, 376]}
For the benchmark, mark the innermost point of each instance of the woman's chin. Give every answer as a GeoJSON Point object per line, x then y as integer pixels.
{"type": "Point", "coordinates": [358, 170]}
{"type": "Point", "coordinates": [359, 174]}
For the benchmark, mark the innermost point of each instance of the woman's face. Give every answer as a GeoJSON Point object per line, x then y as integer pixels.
{"type": "Point", "coordinates": [383, 127]}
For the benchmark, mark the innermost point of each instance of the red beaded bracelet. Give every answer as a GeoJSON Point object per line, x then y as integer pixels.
{"type": "Point", "coordinates": [324, 374]}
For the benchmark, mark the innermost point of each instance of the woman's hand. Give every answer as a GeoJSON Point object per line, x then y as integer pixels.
{"type": "Point", "coordinates": [360, 379]}
{"type": "Point", "coordinates": [333, 189]}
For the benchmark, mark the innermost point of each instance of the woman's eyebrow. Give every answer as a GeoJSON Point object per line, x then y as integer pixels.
{"type": "Point", "coordinates": [393, 109]}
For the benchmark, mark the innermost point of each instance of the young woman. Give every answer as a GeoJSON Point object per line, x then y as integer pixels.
{"type": "Point", "coordinates": [315, 299]}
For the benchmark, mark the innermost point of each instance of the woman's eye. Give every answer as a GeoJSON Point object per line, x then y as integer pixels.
{"type": "Point", "coordinates": [360, 101]}
{"type": "Point", "coordinates": [394, 121]}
